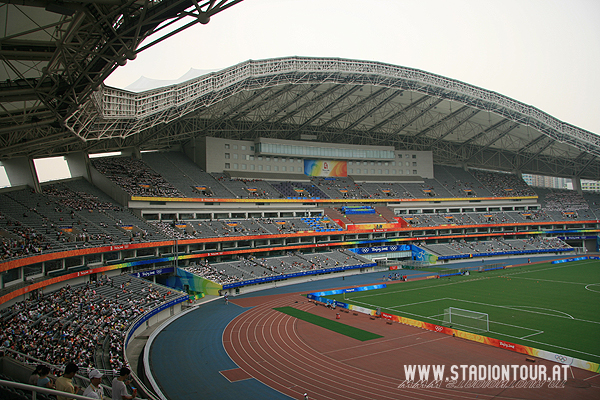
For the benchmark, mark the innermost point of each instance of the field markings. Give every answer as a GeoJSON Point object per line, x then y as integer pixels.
{"type": "Point", "coordinates": [420, 288]}
{"type": "Point", "coordinates": [565, 265]}
{"type": "Point", "coordinates": [553, 345]}
{"type": "Point", "coordinates": [545, 280]}
{"type": "Point", "coordinates": [533, 312]}
{"type": "Point", "coordinates": [533, 334]}
{"type": "Point", "coordinates": [547, 309]}
{"type": "Point", "coordinates": [433, 286]}
{"type": "Point", "coordinates": [504, 334]}
{"type": "Point", "coordinates": [591, 290]}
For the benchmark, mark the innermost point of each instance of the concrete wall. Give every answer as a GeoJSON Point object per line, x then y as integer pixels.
{"type": "Point", "coordinates": [21, 171]}
{"type": "Point", "coordinates": [78, 165]}
{"type": "Point", "coordinates": [108, 187]}
{"type": "Point", "coordinates": [218, 155]}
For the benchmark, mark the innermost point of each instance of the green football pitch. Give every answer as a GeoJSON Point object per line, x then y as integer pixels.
{"type": "Point", "coordinates": [553, 307]}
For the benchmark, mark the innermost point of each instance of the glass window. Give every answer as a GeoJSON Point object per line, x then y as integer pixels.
{"type": "Point", "coordinates": [243, 166]}
{"type": "Point", "coordinates": [365, 171]}
{"type": "Point", "coordinates": [227, 165]}
{"type": "Point", "coordinates": [226, 145]}
{"type": "Point", "coordinates": [251, 157]}
{"type": "Point", "coordinates": [372, 172]}
{"type": "Point", "coordinates": [259, 158]}
{"type": "Point", "coordinates": [394, 172]}
{"type": "Point", "coordinates": [407, 164]}
{"type": "Point", "coordinates": [283, 169]}
{"type": "Point", "coordinates": [350, 170]}
{"type": "Point", "coordinates": [276, 168]}
{"type": "Point", "coordinates": [400, 172]}
{"type": "Point", "coordinates": [399, 155]}
{"type": "Point", "coordinates": [235, 156]}
{"type": "Point", "coordinates": [379, 171]}
{"type": "Point", "coordinates": [260, 167]}
{"type": "Point", "coordinates": [267, 158]}
{"type": "Point", "coordinates": [414, 171]}
{"type": "Point", "coordinates": [243, 147]}
{"type": "Point", "coordinates": [414, 156]}
{"type": "Point", "coordinates": [268, 167]}
{"type": "Point", "coordinates": [291, 169]}
{"type": "Point", "coordinates": [414, 163]}
{"type": "Point", "coordinates": [235, 166]}
{"type": "Point", "coordinates": [387, 171]}
{"type": "Point", "coordinates": [251, 148]}
{"type": "Point", "coordinates": [252, 167]}
{"type": "Point", "coordinates": [227, 156]}
{"type": "Point", "coordinates": [235, 146]}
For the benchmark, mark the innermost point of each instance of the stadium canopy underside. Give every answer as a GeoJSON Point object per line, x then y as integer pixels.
{"type": "Point", "coordinates": [53, 102]}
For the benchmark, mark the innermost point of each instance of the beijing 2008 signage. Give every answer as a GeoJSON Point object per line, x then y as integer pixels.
{"type": "Point", "coordinates": [382, 249]}
{"type": "Point", "coordinates": [325, 168]}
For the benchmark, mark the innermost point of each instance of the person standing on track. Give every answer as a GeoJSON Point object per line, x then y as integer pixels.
{"type": "Point", "coordinates": [226, 297]}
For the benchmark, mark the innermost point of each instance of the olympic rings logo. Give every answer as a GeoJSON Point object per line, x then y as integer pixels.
{"type": "Point", "coordinates": [560, 358]}
{"type": "Point", "coordinates": [439, 328]}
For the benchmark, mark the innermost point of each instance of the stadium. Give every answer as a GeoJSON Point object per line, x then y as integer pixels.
{"type": "Point", "coordinates": [212, 232]}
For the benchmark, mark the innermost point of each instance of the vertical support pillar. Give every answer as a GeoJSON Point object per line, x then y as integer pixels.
{"type": "Point", "coordinates": [21, 171]}
{"type": "Point", "coordinates": [576, 184]}
{"type": "Point", "coordinates": [79, 165]}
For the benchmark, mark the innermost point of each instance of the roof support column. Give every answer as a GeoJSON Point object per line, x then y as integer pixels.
{"type": "Point", "coordinates": [21, 171]}
{"type": "Point", "coordinates": [79, 165]}
{"type": "Point", "coordinates": [576, 184]}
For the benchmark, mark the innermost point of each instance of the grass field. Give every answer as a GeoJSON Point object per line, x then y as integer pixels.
{"type": "Point", "coordinates": [553, 307]}
{"type": "Point", "coordinates": [326, 323]}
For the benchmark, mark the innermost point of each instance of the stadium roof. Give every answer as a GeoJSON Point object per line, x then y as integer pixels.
{"type": "Point", "coordinates": [55, 56]}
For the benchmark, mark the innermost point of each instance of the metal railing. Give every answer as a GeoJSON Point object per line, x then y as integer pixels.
{"type": "Point", "coordinates": [36, 389]}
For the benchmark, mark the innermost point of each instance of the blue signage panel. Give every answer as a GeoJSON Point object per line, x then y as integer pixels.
{"type": "Point", "coordinates": [382, 249]}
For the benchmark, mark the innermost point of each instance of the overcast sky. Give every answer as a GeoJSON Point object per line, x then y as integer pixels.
{"type": "Point", "coordinates": [542, 52]}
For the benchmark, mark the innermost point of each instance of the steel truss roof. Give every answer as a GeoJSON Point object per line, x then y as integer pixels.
{"type": "Point", "coordinates": [54, 55]}
{"type": "Point", "coordinates": [340, 101]}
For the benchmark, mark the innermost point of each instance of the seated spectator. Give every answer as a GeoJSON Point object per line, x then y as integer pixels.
{"type": "Point", "coordinates": [44, 380]}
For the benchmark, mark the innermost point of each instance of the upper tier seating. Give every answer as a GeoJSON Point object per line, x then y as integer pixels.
{"type": "Point", "coordinates": [135, 177]}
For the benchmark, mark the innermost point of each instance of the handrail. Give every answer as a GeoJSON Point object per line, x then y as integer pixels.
{"type": "Point", "coordinates": [17, 354]}
{"type": "Point", "coordinates": [37, 389]}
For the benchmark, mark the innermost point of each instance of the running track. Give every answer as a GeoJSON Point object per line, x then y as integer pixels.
{"type": "Point", "coordinates": [294, 357]}
{"type": "Point", "coordinates": [189, 361]}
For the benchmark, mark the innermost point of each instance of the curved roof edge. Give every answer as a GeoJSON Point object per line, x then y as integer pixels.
{"type": "Point", "coordinates": [120, 113]}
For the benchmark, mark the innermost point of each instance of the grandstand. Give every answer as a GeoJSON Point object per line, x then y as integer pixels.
{"type": "Point", "coordinates": [130, 239]}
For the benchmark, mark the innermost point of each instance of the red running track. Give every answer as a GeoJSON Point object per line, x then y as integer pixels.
{"type": "Point", "coordinates": [295, 357]}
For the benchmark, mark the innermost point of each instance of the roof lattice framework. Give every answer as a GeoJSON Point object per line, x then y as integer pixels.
{"type": "Point", "coordinates": [56, 56]}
